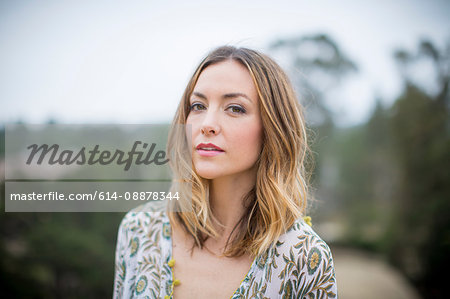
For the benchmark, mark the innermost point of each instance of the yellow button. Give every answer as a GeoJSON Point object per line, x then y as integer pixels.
{"type": "Point", "coordinates": [171, 263]}
{"type": "Point", "coordinates": [307, 220]}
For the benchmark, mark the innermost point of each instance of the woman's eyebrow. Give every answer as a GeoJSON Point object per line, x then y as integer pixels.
{"type": "Point", "coordinates": [236, 95]}
{"type": "Point", "coordinates": [225, 96]}
{"type": "Point", "coordinates": [200, 95]}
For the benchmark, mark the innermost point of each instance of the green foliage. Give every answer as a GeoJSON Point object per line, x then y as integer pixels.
{"type": "Point", "coordinates": [57, 255]}
{"type": "Point", "coordinates": [316, 65]}
{"type": "Point", "coordinates": [394, 178]}
{"type": "Point", "coordinates": [388, 180]}
{"type": "Point", "coordinates": [421, 229]}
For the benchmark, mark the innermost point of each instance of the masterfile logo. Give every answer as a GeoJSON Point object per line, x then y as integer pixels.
{"type": "Point", "coordinates": [94, 156]}
{"type": "Point", "coordinates": [89, 168]}
{"type": "Point", "coordinates": [101, 152]}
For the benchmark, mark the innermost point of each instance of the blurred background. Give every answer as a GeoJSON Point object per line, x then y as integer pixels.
{"type": "Point", "coordinates": [373, 78]}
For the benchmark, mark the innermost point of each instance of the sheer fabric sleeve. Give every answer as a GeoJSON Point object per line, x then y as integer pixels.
{"type": "Point", "coordinates": [120, 266]}
{"type": "Point", "coordinates": [320, 279]}
{"type": "Point", "coordinates": [307, 267]}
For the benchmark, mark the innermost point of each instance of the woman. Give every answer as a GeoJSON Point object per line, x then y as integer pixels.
{"type": "Point", "coordinates": [240, 162]}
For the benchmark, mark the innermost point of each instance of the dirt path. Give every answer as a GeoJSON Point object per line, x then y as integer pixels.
{"type": "Point", "coordinates": [360, 275]}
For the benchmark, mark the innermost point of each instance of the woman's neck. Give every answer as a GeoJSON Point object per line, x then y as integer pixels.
{"type": "Point", "coordinates": [227, 199]}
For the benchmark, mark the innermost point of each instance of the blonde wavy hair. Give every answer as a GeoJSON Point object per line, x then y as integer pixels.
{"type": "Point", "coordinates": [280, 194]}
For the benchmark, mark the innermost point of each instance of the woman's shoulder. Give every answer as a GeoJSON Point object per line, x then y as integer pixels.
{"type": "Point", "coordinates": [302, 235]}
{"type": "Point", "coordinates": [305, 260]}
{"type": "Point", "coordinates": [143, 218]}
{"type": "Point", "coordinates": [303, 247]}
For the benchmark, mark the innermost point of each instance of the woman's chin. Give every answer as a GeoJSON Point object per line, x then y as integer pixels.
{"type": "Point", "coordinates": [208, 174]}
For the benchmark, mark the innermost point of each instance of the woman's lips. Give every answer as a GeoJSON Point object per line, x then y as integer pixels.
{"type": "Point", "coordinates": [208, 149]}
{"type": "Point", "coordinates": [210, 153]}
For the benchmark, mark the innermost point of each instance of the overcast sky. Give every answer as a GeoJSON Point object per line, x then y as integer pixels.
{"type": "Point", "coordinates": [129, 61]}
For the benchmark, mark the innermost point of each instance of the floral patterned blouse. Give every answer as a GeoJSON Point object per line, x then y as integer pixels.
{"type": "Point", "coordinates": [298, 265]}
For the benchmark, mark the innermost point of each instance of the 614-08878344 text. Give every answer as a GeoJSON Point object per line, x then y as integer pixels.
{"type": "Point", "coordinates": [143, 195]}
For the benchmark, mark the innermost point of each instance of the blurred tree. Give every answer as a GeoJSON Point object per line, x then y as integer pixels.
{"type": "Point", "coordinates": [390, 176]}
{"type": "Point", "coordinates": [421, 143]}
{"type": "Point", "coordinates": [316, 65]}
{"type": "Point", "coordinates": [60, 255]}
{"type": "Point", "coordinates": [56, 255]}
{"type": "Point", "coordinates": [366, 178]}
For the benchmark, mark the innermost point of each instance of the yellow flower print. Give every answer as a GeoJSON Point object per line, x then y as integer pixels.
{"type": "Point", "coordinates": [141, 285]}
{"type": "Point", "coordinates": [314, 259]}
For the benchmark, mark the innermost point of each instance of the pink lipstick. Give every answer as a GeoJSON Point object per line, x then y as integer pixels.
{"type": "Point", "coordinates": [208, 150]}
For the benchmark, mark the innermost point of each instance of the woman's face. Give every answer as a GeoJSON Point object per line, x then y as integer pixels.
{"type": "Point", "coordinates": [225, 114]}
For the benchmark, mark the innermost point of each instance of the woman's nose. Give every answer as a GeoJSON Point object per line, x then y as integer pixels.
{"type": "Point", "coordinates": [208, 130]}
{"type": "Point", "coordinates": [210, 124]}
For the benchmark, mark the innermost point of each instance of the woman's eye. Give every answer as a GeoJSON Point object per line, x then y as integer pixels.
{"type": "Point", "coordinates": [236, 109]}
{"type": "Point", "coordinates": [196, 106]}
